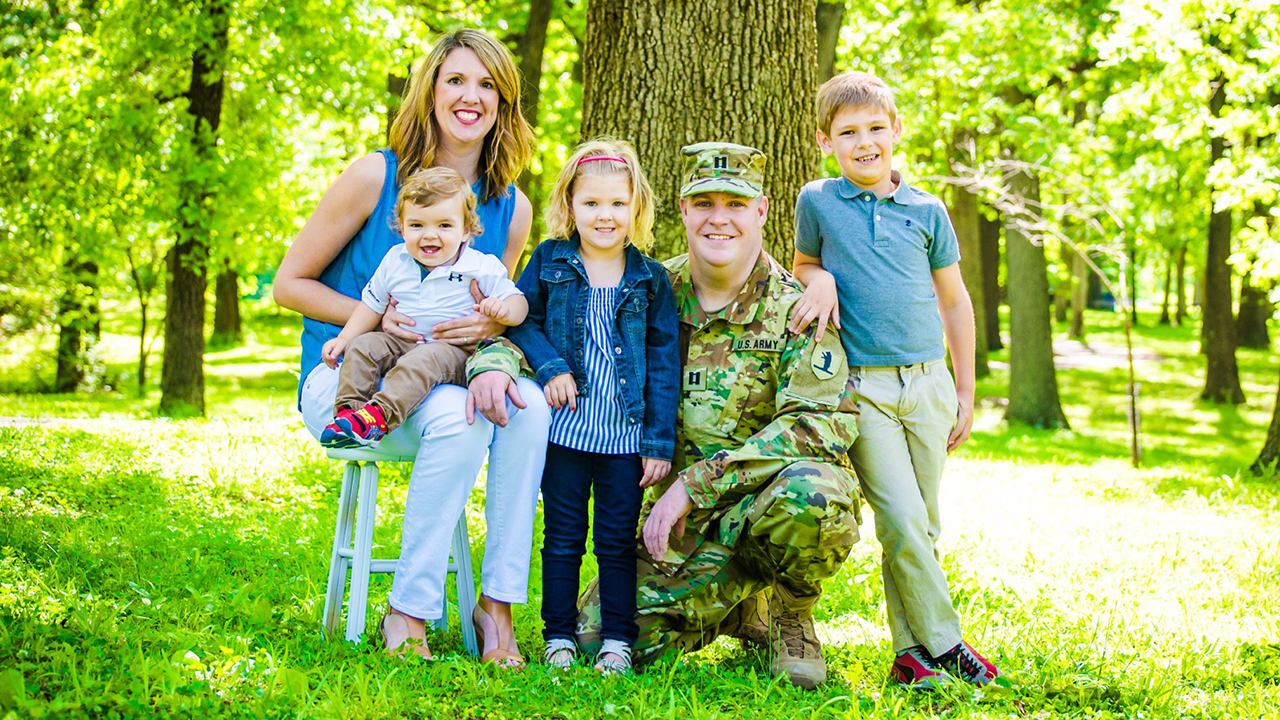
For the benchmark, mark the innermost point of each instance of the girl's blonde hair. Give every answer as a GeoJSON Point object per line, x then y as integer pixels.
{"type": "Point", "coordinates": [559, 215]}
{"type": "Point", "coordinates": [433, 185]}
{"type": "Point", "coordinates": [415, 135]}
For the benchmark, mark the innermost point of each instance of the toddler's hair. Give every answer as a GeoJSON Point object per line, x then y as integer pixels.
{"type": "Point", "coordinates": [853, 89]}
{"type": "Point", "coordinates": [431, 185]}
{"type": "Point", "coordinates": [602, 156]}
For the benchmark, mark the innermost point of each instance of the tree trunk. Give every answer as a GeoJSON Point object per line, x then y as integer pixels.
{"type": "Point", "coordinates": [830, 17]}
{"type": "Point", "coordinates": [1270, 456]}
{"type": "Point", "coordinates": [1255, 310]}
{"type": "Point", "coordinates": [1168, 285]}
{"type": "Point", "coordinates": [1131, 281]}
{"type": "Point", "coordinates": [964, 216]}
{"type": "Point", "coordinates": [78, 317]}
{"type": "Point", "coordinates": [666, 73]}
{"type": "Point", "coordinates": [1061, 300]}
{"type": "Point", "coordinates": [1180, 284]}
{"type": "Point", "coordinates": [182, 372]}
{"type": "Point", "coordinates": [989, 240]}
{"type": "Point", "coordinates": [226, 308]}
{"type": "Point", "coordinates": [529, 52]}
{"type": "Point", "coordinates": [1079, 294]}
{"type": "Point", "coordinates": [396, 85]}
{"type": "Point", "coordinates": [1218, 334]}
{"type": "Point", "coordinates": [1033, 380]}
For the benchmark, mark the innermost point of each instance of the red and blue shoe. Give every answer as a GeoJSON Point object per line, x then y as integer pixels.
{"type": "Point", "coordinates": [362, 427]}
{"type": "Point", "coordinates": [916, 669]}
{"type": "Point", "coordinates": [963, 662]}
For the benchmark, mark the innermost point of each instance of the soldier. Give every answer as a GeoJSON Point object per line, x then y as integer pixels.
{"type": "Point", "coordinates": [757, 511]}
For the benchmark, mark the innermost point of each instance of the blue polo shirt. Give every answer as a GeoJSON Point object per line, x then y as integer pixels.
{"type": "Point", "coordinates": [882, 252]}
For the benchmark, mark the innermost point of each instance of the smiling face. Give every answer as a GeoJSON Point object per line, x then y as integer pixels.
{"type": "Point", "coordinates": [602, 211]}
{"type": "Point", "coordinates": [434, 234]}
{"type": "Point", "coordinates": [466, 98]}
{"type": "Point", "coordinates": [723, 229]}
{"type": "Point", "coordinates": [862, 139]}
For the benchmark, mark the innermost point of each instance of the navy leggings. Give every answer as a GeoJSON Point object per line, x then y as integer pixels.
{"type": "Point", "coordinates": [567, 482]}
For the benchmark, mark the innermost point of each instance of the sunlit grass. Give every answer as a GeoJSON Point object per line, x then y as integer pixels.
{"type": "Point", "coordinates": [175, 568]}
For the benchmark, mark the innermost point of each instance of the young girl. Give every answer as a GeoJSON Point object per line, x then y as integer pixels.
{"type": "Point", "coordinates": [601, 337]}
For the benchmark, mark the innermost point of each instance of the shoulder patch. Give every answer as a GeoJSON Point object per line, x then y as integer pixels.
{"type": "Point", "coordinates": [823, 364]}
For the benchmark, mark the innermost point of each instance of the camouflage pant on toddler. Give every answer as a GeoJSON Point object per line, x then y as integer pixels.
{"type": "Point", "coordinates": [797, 532]}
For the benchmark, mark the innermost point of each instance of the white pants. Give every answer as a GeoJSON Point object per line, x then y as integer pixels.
{"type": "Point", "coordinates": [449, 453]}
{"type": "Point", "coordinates": [905, 416]}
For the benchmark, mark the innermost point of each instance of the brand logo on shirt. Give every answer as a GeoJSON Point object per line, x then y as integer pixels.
{"type": "Point", "coordinates": [908, 223]}
{"type": "Point", "coordinates": [757, 345]}
{"type": "Point", "coordinates": [455, 277]}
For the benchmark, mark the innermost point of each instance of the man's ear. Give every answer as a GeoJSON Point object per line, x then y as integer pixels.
{"type": "Point", "coordinates": [763, 209]}
{"type": "Point", "coordinates": [684, 206]}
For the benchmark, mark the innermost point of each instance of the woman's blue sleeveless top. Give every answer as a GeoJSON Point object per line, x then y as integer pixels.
{"type": "Point", "coordinates": [355, 264]}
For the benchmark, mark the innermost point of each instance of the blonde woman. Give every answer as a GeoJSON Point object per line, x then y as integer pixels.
{"type": "Point", "coordinates": [462, 111]}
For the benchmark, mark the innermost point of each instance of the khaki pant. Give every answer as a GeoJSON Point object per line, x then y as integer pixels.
{"type": "Point", "coordinates": [407, 370]}
{"type": "Point", "coordinates": [905, 416]}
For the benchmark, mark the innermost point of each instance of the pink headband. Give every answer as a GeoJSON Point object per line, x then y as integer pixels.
{"type": "Point", "coordinates": [602, 157]}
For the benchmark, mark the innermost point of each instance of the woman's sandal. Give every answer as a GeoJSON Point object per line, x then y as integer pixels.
{"type": "Point", "coordinates": [561, 653]}
{"type": "Point", "coordinates": [619, 664]}
{"type": "Point", "coordinates": [396, 637]}
{"type": "Point", "coordinates": [487, 636]}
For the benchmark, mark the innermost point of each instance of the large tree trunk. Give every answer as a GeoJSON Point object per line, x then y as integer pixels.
{"type": "Point", "coordinates": [1218, 334]}
{"type": "Point", "coordinates": [1270, 455]}
{"type": "Point", "coordinates": [830, 17]}
{"type": "Point", "coordinates": [1180, 284]}
{"type": "Point", "coordinates": [182, 374]}
{"type": "Point", "coordinates": [226, 308]}
{"type": "Point", "coordinates": [1033, 380]}
{"type": "Point", "coordinates": [529, 52]}
{"type": "Point", "coordinates": [78, 320]}
{"type": "Point", "coordinates": [964, 216]}
{"type": "Point", "coordinates": [666, 73]}
{"type": "Point", "coordinates": [989, 240]}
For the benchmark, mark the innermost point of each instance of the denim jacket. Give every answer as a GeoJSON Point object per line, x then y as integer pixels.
{"type": "Point", "coordinates": [644, 337]}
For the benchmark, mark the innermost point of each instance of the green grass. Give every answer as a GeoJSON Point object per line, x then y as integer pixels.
{"type": "Point", "coordinates": [156, 568]}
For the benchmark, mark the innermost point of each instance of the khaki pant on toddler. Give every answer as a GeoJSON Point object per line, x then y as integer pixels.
{"type": "Point", "coordinates": [408, 371]}
{"type": "Point", "coordinates": [905, 416]}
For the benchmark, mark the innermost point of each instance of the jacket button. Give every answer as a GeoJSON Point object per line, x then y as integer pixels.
{"type": "Point", "coordinates": [617, 350]}
{"type": "Point", "coordinates": [623, 381]}
{"type": "Point", "coordinates": [577, 321]}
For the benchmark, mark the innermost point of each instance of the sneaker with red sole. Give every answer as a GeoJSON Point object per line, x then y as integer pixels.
{"type": "Point", "coordinates": [363, 427]}
{"type": "Point", "coordinates": [963, 662]}
{"type": "Point", "coordinates": [916, 669]}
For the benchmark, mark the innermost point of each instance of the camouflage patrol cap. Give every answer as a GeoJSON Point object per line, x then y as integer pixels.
{"type": "Point", "coordinates": [723, 167]}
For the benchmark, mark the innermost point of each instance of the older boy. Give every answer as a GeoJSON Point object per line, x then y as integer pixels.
{"type": "Point", "coordinates": [881, 258]}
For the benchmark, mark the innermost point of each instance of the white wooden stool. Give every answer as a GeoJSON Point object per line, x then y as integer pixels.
{"type": "Point", "coordinates": [360, 477]}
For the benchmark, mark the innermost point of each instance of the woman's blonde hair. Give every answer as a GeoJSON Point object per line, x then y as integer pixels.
{"type": "Point", "coordinates": [415, 135]}
{"type": "Point", "coordinates": [616, 156]}
{"type": "Point", "coordinates": [429, 186]}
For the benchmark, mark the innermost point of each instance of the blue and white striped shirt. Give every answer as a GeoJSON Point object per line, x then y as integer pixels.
{"type": "Point", "coordinates": [599, 424]}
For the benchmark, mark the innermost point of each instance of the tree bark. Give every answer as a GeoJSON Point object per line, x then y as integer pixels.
{"type": "Point", "coordinates": [964, 216]}
{"type": "Point", "coordinates": [1269, 458]}
{"type": "Point", "coordinates": [1218, 333]}
{"type": "Point", "coordinates": [78, 319]}
{"type": "Point", "coordinates": [226, 308]}
{"type": "Point", "coordinates": [666, 73]}
{"type": "Point", "coordinates": [529, 53]}
{"type": "Point", "coordinates": [1079, 295]}
{"type": "Point", "coordinates": [1168, 287]}
{"type": "Point", "coordinates": [989, 240]}
{"type": "Point", "coordinates": [182, 372]}
{"type": "Point", "coordinates": [1255, 310]}
{"type": "Point", "coordinates": [830, 17]}
{"type": "Point", "coordinates": [1033, 380]}
{"type": "Point", "coordinates": [1180, 284]}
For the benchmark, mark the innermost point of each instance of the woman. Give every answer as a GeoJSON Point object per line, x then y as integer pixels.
{"type": "Point", "coordinates": [462, 110]}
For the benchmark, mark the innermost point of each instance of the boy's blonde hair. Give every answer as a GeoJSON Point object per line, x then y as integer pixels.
{"type": "Point", "coordinates": [853, 89]}
{"type": "Point", "coordinates": [415, 136]}
{"type": "Point", "coordinates": [437, 184]}
{"type": "Point", "coordinates": [559, 215]}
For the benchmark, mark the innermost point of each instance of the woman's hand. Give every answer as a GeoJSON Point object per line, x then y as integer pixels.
{"type": "Point", "coordinates": [819, 302]}
{"type": "Point", "coordinates": [393, 320]}
{"type": "Point", "coordinates": [333, 350]}
{"type": "Point", "coordinates": [654, 470]}
{"type": "Point", "coordinates": [488, 392]}
{"type": "Point", "coordinates": [465, 332]}
{"type": "Point", "coordinates": [561, 390]}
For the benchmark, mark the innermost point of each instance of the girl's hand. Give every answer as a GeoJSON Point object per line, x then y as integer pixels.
{"type": "Point", "coordinates": [494, 308]}
{"type": "Point", "coordinates": [654, 470]}
{"type": "Point", "coordinates": [819, 302]}
{"type": "Point", "coordinates": [561, 390]}
{"type": "Point", "coordinates": [465, 332]}
{"type": "Point", "coordinates": [393, 319]}
{"type": "Point", "coordinates": [333, 350]}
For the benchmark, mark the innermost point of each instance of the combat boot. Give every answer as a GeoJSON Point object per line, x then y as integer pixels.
{"type": "Point", "coordinates": [749, 622]}
{"type": "Point", "coordinates": [793, 641]}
